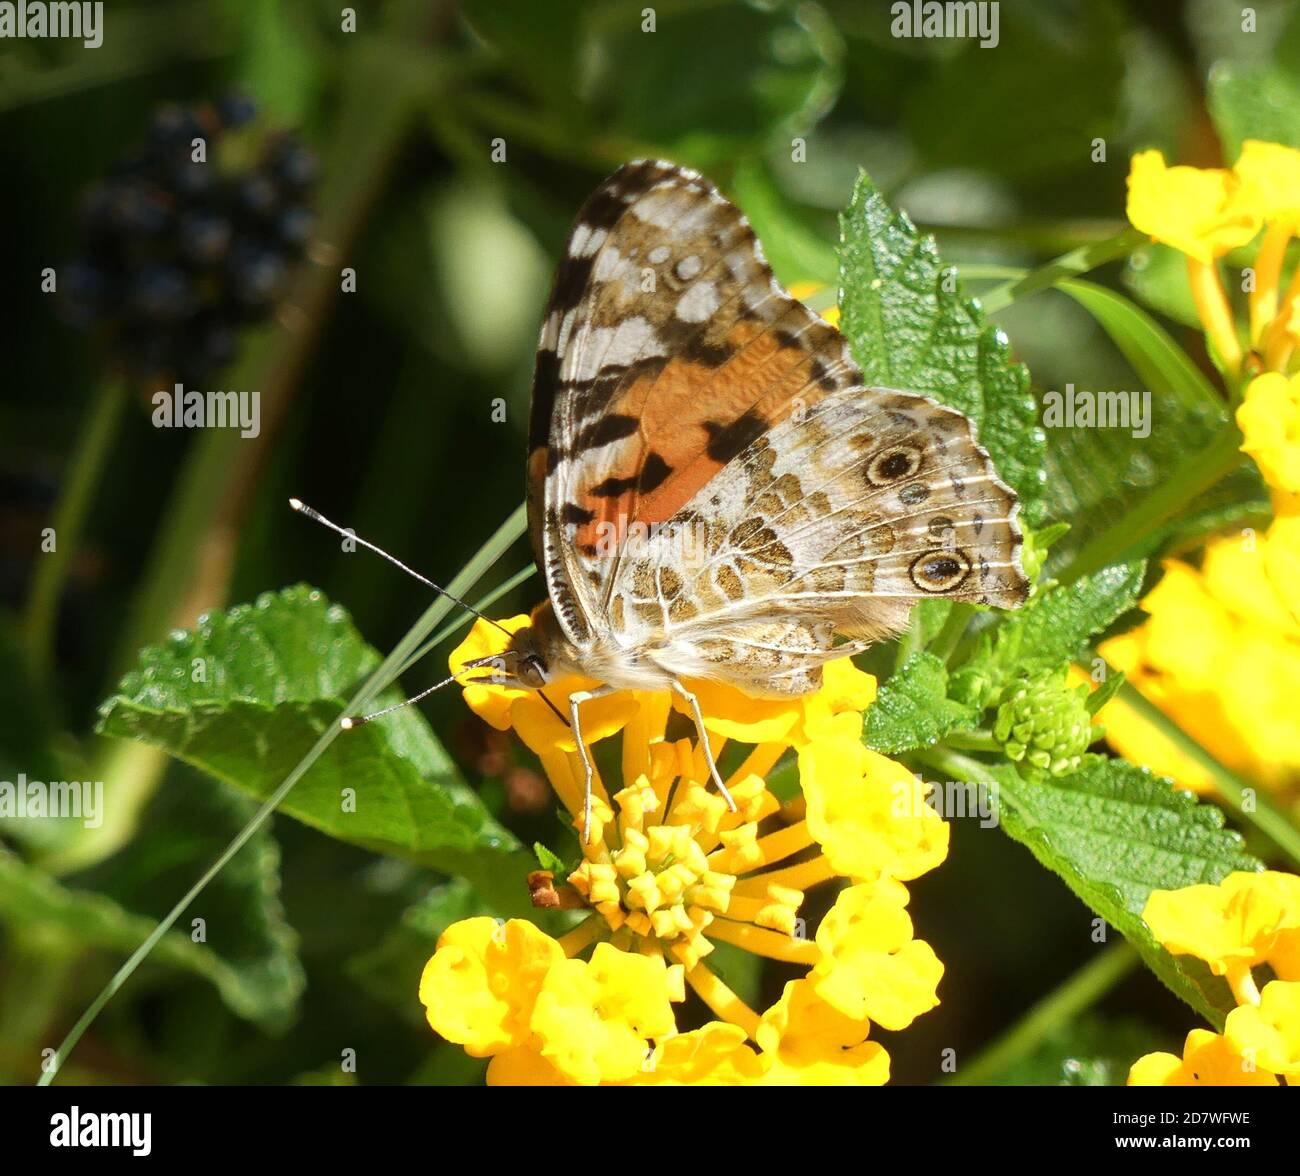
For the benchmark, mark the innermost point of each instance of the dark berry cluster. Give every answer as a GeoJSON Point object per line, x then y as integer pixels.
{"type": "Point", "coordinates": [177, 255]}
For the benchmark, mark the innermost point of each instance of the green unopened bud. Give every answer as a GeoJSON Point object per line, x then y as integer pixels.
{"type": "Point", "coordinates": [1045, 722]}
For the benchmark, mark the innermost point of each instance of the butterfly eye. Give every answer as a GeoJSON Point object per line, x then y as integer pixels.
{"type": "Point", "coordinates": [532, 670]}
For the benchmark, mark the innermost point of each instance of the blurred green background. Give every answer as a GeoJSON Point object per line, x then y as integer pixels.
{"type": "Point", "coordinates": [378, 409]}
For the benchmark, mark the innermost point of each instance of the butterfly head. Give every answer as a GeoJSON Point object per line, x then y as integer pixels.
{"type": "Point", "coordinates": [523, 665]}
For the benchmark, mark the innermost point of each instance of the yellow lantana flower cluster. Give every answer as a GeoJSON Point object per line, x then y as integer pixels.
{"type": "Point", "coordinates": [1219, 654]}
{"type": "Point", "coordinates": [668, 872]}
{"type": "Point", "coordinates": [1246, 922]}
{"type": "Point", "coordinates": [1205, 213]}
{"type": "Point", "coordinates": [1233, 685]}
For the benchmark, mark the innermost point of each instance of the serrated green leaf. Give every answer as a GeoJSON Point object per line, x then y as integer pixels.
{"type": "Point", "coordinates": [909, 328]}
{"type": "Point", "coordinates": [1113, 833]}
{"type": "Point", "coordinates": [913, 709]}
{"type": "Point", "coordinates": [548, 859]}
{"type": "Point", "coordinates": [274, 676]}
{"type": "Point", "coordinates": [1056, 624]}
{"type": "Point", "coordinates": [1105, 692]}
{"type": "Point", "coordinates": [1051, 630]}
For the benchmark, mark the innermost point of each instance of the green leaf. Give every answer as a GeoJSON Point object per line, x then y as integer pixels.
{"type": "Point", "coordinates": [1038, 542]}
{"type": "Point", "coordinates": [1097, 475]}
{"type": "Point", "coordinates": [549, 859]}
{"type": "Point", "coordinates": [29, 744]}
{"type": "Point", "coordinates": [188, 822]}
{"type": "Point", "coordinates": [1056, 625]}
{"type": "Point", "coordinates": [1097, 478]}
{"type": "Point", "coordinates": [913, 709]}
{"type": "Point", "coordinates": [755, 72]}
{"type": "Point", "coordinates": [1254, 102]}
{"type": "Point", "coordinates": [540, 42]}
{"type": "Point", "coordinates": [909, 328]}
{"type": "Point", "coordinates": [1157, 275]}
{"type": "Point", "coordinates": [1051, 630]}
{"type": "Point", "coordinates": [280, 61]}
{"type": "Point", "coordinates": [1106, 691]}
{"type": "Point", "coordinates": [1114, 833]}
{"type": "Point", "coordinates": [972, 114]}
{"type": "Point", "coordinates": [1158, 361]}
{"type": "Point", "coordinates": [928, 619]}
{"type": "Point", "coordinates": [273, 677]}
{"type": "Point", "coordinates": [260, 985]}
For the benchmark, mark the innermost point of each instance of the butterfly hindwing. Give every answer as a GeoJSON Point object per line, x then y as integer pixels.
{"type": "Point", "coordinates": [835, 522]}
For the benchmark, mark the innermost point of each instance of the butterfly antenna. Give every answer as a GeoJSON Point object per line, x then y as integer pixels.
{"type": "Point", "coordinates": [303, 509]}
{"type": "Point", "coordinates": [348, 722]}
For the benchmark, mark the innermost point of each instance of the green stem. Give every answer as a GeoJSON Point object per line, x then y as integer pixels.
{"type": "Point", "coordinates": [1128, 538]}
{"type": "Point", "coordinates": [1079, 993]}
{"type": "Point", "coordinates": [488, 554]}
{"type": "Point", "coordinates": [1068, 265]}
{"type": "Point", "coordinates": [980, 740]}
{"type": "Point", "coordinates": [1044, 237]}
{"type": "Point", "coordinates": [85, 469]}
{"type": "Point", "coordinates": [1227, 785]}
{"type": "Point", "coordinates": [912, 640]}
{"type": "Point", "coordinates": [947, 639]}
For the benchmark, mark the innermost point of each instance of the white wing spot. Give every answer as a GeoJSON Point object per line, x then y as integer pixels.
{"type": "Point", "coordinates": [633, 338]}
{"type": "Point", "coordinates": [586, 240]}
{"type": "Point", "coordinates": [688, 267]}
{"type": "Point", "coordinates": [698, 303]}
{"type": "Point", "coordinates": [606, 265]}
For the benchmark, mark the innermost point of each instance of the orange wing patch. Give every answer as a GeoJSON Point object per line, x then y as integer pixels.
{"type": "Point", "coordinates": [694, 419]}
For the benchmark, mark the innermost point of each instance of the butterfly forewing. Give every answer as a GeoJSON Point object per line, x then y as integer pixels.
{"type": "Point", "coordinates": [666, 349]}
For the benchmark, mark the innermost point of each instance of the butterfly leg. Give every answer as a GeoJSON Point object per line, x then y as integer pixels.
{"type": "Point", "coordinates": [589, 771]}
{"type": "Point", "coordinates": [694, 704]}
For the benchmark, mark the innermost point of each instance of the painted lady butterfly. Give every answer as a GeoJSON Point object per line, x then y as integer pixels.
{"type": "Point", "coordinates": [712, 490]}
